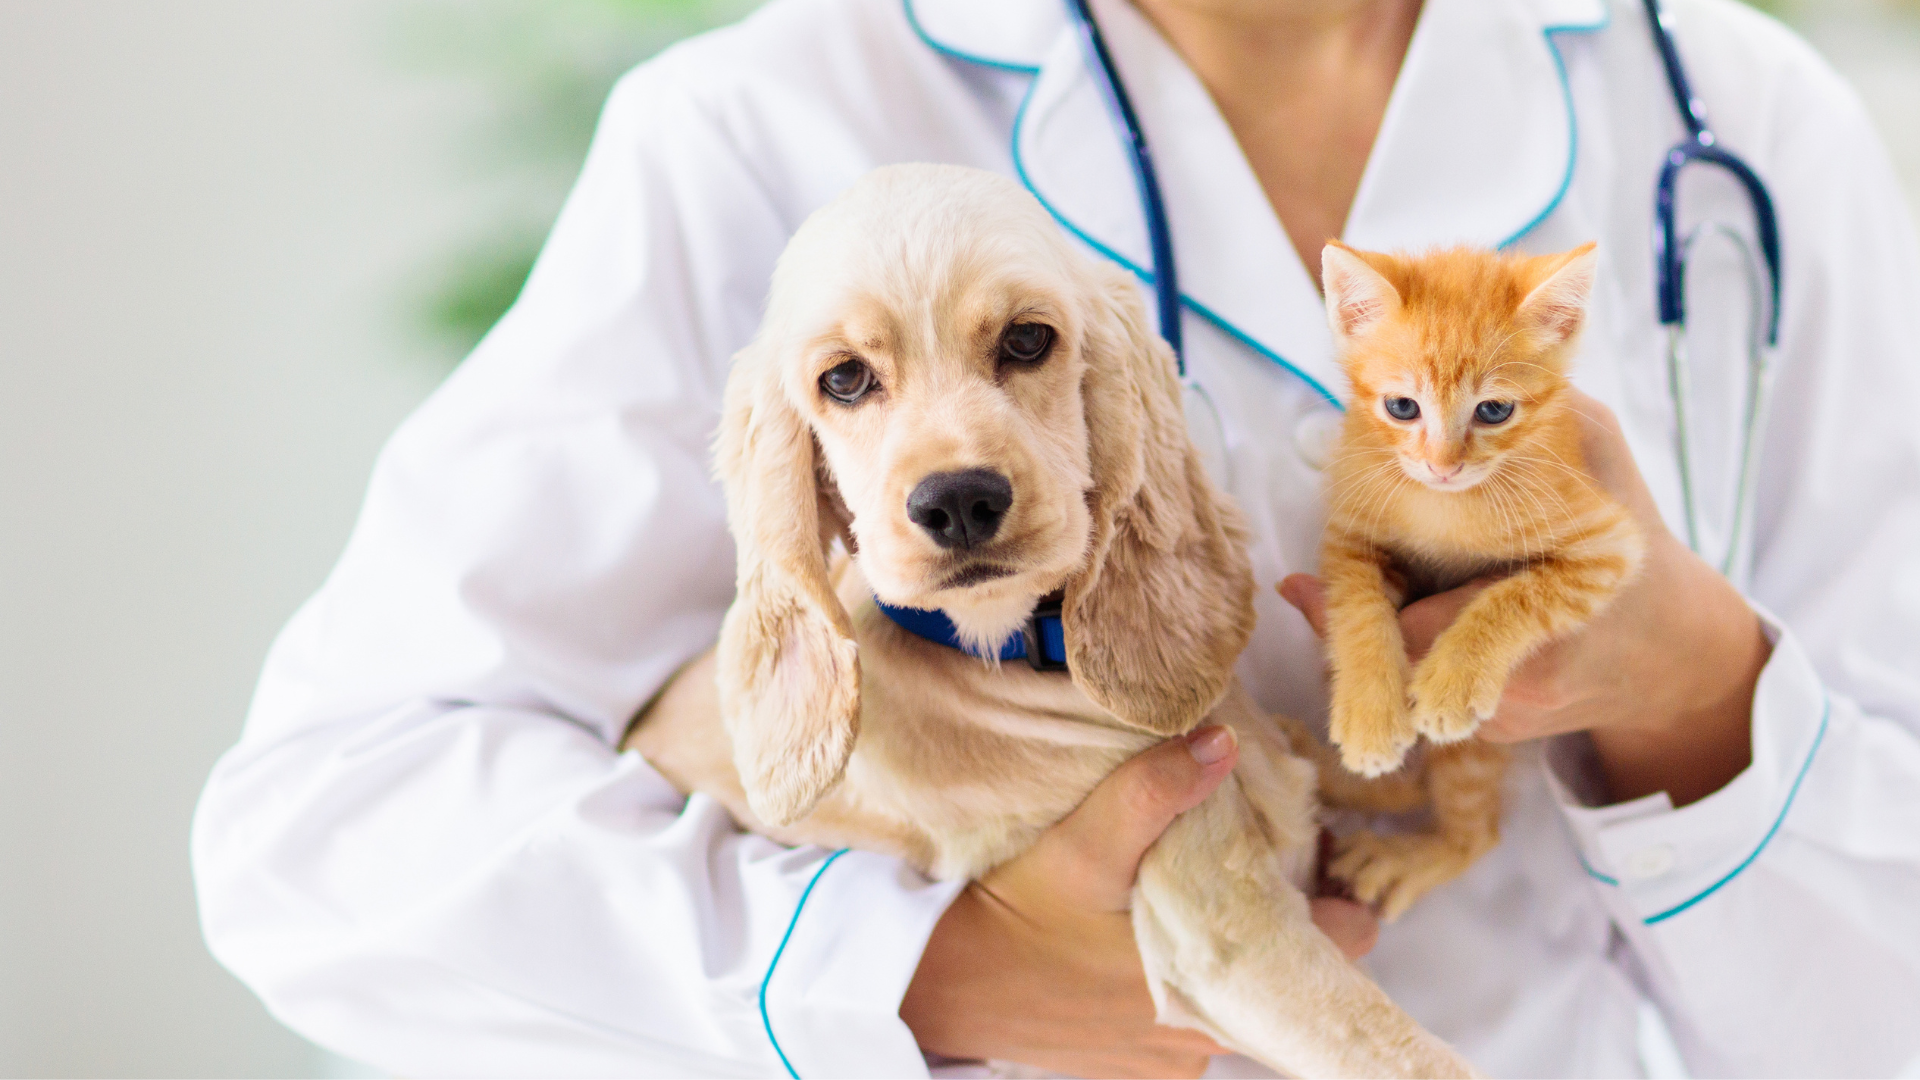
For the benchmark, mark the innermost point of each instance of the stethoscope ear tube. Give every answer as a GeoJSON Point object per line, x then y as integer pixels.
{"type": "Point", "coordinates": [1670, 254]}
{"type": "Point", "coordinates": [1701, 144]}
{"type": "Point", "coordinates": [1670, 264]}
{"type": "Point", "coordinates": [1166, 285]}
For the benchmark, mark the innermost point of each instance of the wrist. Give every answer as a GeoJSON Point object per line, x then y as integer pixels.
{"type": "Point", "coordinates": [1688, 730]}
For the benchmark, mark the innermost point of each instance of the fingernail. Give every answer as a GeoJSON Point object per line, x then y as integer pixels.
{"type": "Point", "coordinates": [1210, 744]}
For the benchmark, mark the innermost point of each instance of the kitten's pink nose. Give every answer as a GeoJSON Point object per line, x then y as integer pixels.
{"type": "Point", "coordinates": [1444, 475]}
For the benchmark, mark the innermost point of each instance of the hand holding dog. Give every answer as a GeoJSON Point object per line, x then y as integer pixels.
{"type": "Point", "coordinates": [1662, 680]}
{"type": "Point", "coordinates": [1037, 962]}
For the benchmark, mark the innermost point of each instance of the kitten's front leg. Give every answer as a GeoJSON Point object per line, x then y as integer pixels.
{"type": "Point", "coordinates": [1462, 784]}
{"type": "Point", "coordinates": [1459, 683]}
{"type": "Point", "coordinates": [1369, 718]}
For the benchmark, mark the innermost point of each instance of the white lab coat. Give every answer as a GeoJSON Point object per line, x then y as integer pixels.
{"type": "Point", "coordinates": [426, 853]}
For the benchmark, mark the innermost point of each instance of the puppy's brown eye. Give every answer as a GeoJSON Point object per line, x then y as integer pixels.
{"type": "Point", "coordinates": [1024, 343]}
{"type": "Point", "coordinates": [847, 383]}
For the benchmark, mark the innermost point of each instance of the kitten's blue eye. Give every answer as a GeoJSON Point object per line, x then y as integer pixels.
{"type": "Point", "coordinates": [1403, 408]}
{"type": "Point", "coordinates": [1493, 412]}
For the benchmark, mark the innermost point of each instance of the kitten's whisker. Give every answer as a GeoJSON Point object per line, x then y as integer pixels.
{"type": "Point", "coordinates": [1537, 534]}
{"type": "Point", "coordinates": [1375, 494]}
{"type": "Point", "coordinates": [1514, 524]}
{"type": "Point", "coordinates": [1584, 479]}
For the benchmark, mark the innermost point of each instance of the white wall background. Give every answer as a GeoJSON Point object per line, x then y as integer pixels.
{"type": "Point", "coordinates": [211, 212]}
{"type": "Point", "coordinates": [207, 211]}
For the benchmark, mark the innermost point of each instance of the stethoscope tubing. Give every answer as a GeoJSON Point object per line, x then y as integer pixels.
{"type": "Point", "coordinates": [1701, 145]}
{"type": "Point", "coordinates": [1166, 284]}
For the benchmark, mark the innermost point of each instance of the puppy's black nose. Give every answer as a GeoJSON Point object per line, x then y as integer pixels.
{"type": "Point", "coordinates": [960, 509]}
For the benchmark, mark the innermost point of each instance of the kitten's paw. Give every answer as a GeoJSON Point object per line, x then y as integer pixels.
{"type": "Point", "coordinates": [1372, 730]}
{"type": "Point", "coordinates": [1390, 872]}
{"type": "Point", "coordinates": [1377, 759]}
{"type": "Point", "coordinates": [1451, 700]}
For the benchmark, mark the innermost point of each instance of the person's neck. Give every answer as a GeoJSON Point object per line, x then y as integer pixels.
{"type": "Point", "coordinates": [1303, 84]}
{"type": "Point", "coordinates": [1268, 45]}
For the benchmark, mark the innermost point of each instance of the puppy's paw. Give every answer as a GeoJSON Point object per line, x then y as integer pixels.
{"type": "Point", "coordinates": [1390, 872]}
{"type": "Point", "coordinates": [1451, 698]}
{"type": "Point", "coordinates": [1372, 730]}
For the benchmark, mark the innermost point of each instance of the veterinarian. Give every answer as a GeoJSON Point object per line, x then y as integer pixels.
{"type": "Point", "coordinates": [427, 853]}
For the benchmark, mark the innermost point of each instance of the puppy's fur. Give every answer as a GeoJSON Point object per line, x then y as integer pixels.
{"type": "Point", "coordinates": [819, 720]}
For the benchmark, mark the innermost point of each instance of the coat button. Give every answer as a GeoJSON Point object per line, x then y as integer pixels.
{"type": "Point", "coordinates": [1315, 436]}
{"type": "Point", "coordinates": [1650, 862]}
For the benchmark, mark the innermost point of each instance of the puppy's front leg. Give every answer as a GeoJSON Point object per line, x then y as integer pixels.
{"type": "Point", "coordinates": [1230, 948]}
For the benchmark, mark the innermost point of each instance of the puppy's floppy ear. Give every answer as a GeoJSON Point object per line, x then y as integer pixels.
{"type": "Point", "coordinates": [788, 667]}
{"type": "Point", "coordinates": [1164, 607]}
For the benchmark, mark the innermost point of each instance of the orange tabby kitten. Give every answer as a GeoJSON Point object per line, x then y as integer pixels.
{"type": "Point", "coordinates": [1460, 457]}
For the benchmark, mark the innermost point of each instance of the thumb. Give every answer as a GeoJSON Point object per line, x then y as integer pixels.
{"type": "Point", "coordinates": [1305, 593]}
{"type": "Point", "coordinates": [1093, 854]}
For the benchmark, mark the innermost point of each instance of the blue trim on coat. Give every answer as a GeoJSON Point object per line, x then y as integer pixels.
{"type": "Point", "coordinates": [1573, 120]}
{"type": "Point", "coordinates": [1818, 736]}
{"type": "Point", "coordinates": [948, 50]}
{"type": "Point", "coordinates": [1604, 879]}
{"type": "Point", "coordinates": [765, 1021]}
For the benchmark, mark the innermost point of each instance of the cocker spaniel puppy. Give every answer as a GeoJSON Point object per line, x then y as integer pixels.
{"type": "Point", "coordinates": [950, 409]}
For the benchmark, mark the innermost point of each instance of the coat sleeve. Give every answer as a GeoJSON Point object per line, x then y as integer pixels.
{"type": "Point", "coordinates": [1777, 921]}
{"type": "Point", "coordinates": [425, 852]}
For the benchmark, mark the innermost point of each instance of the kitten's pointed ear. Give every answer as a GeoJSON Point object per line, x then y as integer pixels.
{"type": "Point", "coordinates": [1358, 296]}
{"type": "Point", "coordinates": [1558, 304]}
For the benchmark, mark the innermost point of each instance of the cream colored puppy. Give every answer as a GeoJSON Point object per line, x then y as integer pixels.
{"type": "Point", "coordinates": [979, 416]}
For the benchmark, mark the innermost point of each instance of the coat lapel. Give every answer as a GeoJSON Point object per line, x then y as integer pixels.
{"type": "Point", "coordinates": [1471, 150]}
{"type": "Point", "coordinates": [1010, 34]}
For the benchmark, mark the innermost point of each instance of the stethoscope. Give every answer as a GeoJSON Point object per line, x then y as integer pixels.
{"type": "Point", "coordinates": [1671, 253]}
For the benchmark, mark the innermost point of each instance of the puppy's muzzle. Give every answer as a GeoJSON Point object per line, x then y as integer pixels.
{"type": "Point", "coordinates": [960, 509]}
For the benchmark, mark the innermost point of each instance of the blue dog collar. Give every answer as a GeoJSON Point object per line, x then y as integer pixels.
{"type": "Point", "coordinates": [1042, 642]}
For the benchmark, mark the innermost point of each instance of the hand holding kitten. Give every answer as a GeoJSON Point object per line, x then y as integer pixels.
{"type": "Point", "coordinates": [1662, 679]}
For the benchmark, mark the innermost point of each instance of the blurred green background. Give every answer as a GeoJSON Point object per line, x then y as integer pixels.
{"type": "Point", "coordinates": [546, 70]}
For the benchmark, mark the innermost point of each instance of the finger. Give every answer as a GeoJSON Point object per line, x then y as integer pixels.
{"type": "Point", "coordinates": [1423, 620]}
{"type": "Point", "coordinates": [1305, 593]}
{"type": "Point", "coordinates": [1186, 1041]}
{"type": "Point", "coordinates": [1351, 925]}
{"type": "Point", "coordinates": [1095, 852]}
